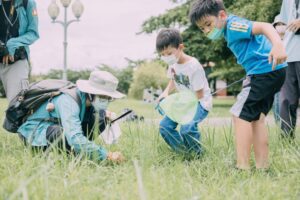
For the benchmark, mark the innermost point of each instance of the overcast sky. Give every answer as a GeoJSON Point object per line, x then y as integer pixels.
{"type": "Point", "coordinates": [106, 34]}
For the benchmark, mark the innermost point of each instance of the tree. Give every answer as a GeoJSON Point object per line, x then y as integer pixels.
{"type": "Point", "coordinates": [73, 75]}
{"type": "Point", "coordinates": [199, 46]}
{"type": "Point", "coordinates": [149, 74]}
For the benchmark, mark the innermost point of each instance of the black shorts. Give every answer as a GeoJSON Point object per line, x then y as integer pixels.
{"type": "Point", "coordinates": [257, 95]}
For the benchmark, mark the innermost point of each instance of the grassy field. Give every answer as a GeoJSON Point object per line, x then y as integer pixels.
{"type": "Point", "coordinates": [220, 109]}
{"type": "Point", "coordinates": [151, 170]}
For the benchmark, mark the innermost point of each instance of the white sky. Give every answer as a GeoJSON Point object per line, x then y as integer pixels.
{"type": "Point", "coordinates": [106, 34]}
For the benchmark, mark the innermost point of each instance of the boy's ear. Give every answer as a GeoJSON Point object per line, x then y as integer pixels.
{"type": "Point", "coordinates": [222, 14]}
{"type": "Point", "coordinates": [181, 46]}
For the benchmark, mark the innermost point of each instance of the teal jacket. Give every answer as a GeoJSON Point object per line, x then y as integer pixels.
{"type": "Point", "coordinates": [28, 30]}
{"type": "Point", "coordinates": [70, 116]}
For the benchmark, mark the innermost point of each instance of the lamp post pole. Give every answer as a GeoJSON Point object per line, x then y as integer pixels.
{"type": "Point", "coordinates": [53, 11]}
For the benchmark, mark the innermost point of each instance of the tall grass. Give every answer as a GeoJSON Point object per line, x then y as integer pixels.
{"type": "Point", "coordinates": [151, 170]}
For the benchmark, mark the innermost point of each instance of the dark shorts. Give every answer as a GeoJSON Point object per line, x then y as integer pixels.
{"type": "Point", "coordinates": [257, 95]}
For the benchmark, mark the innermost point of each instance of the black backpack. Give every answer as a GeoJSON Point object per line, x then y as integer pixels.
{"type": "Point", "coordinates": [29, 100]}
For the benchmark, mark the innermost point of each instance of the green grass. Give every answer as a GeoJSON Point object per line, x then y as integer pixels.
{"type": "Point", "coordinates": [164, 174]}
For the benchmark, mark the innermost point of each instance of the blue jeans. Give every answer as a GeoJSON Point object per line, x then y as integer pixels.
{"type": "Point", "coordinates": [188, 139]}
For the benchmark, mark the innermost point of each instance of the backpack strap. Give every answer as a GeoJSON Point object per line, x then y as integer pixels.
{"type": "Point", "coordinates": [73, 93]}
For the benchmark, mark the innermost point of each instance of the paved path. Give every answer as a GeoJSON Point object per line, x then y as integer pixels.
{"type": "Point", "coordinates": [222, 121]}
{"type": "Point", "coordinates": [219, 121]}
{"type": "Point", "coordinates": [225, 121]}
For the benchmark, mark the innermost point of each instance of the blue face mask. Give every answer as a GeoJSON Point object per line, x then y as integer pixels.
{"type": "Point", "coordinates": [216, 33]}
{"type": "Point", "coordinates": [100, 104]}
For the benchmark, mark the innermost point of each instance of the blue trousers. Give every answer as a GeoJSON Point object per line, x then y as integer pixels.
{"type": "Point", "coordinates": [187, 140]}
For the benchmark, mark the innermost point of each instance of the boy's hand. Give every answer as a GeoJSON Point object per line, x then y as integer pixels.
{"type": "Point", "coordinates": [277, 55]}
{"type": "Point", "coordinates": [294, 25]}
{"type": "Point", "coordinates": [161, 97]}
{"type": "Point", "coordinates": [116, 157]}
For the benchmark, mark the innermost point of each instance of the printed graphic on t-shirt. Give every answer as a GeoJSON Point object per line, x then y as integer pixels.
{"type": "Point", "coordinates": [238, 26]}
{"type": "Point", "coordinates": [181, 79]}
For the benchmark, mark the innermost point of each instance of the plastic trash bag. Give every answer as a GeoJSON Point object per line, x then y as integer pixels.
{"type": "Point", "coordinates": [112, 133]}
{"type": "Point", "coordinates": [180, 107]}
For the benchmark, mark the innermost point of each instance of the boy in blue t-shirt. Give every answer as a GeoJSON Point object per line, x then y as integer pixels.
{"type": "Point", "coordinates": [259, 49]}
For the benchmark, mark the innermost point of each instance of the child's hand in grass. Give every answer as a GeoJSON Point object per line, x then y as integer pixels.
{"type": "Point", "coordinates": [116, 157]}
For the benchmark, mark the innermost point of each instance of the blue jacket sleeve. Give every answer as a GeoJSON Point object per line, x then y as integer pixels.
{"type": "Point", "coordinates": [68, 112]}
{"type": "Point", "coordinates": [31, 33]}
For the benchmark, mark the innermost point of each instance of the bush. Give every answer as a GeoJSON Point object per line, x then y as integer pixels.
{"type": "Point", "coordinates": [125, 77]}
{"type": "Point", "coordinates": [72, 75]}
{"type": "Point", "coordinates": [150, 74]}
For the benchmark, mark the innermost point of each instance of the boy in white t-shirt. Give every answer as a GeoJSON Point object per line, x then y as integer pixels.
{"type": "Point", "coordinates": [185, 73]}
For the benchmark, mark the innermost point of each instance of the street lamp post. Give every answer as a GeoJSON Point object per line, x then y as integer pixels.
{"type": "Point", "coordinates": [53, 11]}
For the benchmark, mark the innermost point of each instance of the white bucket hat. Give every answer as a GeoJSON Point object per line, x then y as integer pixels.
{"type": "Point", "coordinates": [100, 83]}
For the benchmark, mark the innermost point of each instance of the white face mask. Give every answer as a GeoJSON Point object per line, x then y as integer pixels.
{"type": "Point", "coordinates": [170, 60]}
{"type": "Point", "coordinates": [100, 104]}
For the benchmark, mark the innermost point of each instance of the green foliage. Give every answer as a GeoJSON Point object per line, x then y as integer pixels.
{"type": "Point", "coordinates": [125, 77]}
{"type": "Point", "coordinates": [205, 50]}
{"type": "Point", "coordinates": [150, 74]}
{"type": "Point", "coordinates": [174, 17]}
{"type": "Point", "coordinates": [73, 75]}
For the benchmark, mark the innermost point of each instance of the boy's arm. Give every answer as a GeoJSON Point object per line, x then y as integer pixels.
{"type": "Point", "coordinates": [199, 94]}
{"type": "Point", "coordinates": [277, 54]}
{"type": "Point", "coordinates": [169, 88]}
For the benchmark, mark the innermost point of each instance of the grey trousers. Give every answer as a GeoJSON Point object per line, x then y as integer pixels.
{"type": "Point", "coordinates": [14, 77]}
{"type": "Point", "coordinates": [289, 99]}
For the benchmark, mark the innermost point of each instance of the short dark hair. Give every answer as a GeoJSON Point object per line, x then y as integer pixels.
{"type": "Point", "coordinates": [203, 8]}
{"type": "Point", "coordinates": [168, 37]}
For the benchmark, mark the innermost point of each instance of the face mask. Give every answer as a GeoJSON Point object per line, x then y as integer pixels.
{"type": "Point", "coordinates": [170, 60]}
{"type": "Point", "coordinates": [100, 104]}
{"type": "Point", "coordinates": [216, 33]}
